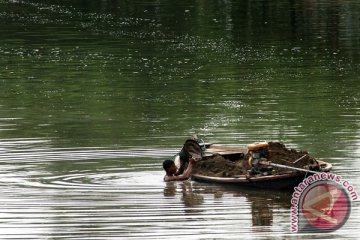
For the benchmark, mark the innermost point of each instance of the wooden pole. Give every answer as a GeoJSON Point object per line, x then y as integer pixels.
{"type": "Point", "coordinates": [286, 167]}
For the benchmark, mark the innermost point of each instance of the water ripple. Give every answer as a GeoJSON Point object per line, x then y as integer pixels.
{"type": "Point", "coordinates": [103, 193]}
{"type": "Point", "coordinates": [83, 154]}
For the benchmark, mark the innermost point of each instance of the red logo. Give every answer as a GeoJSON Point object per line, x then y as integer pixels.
{"type": "Point", "coordinates": [324, 206]}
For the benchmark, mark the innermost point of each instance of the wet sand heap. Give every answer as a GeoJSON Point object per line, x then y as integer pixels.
{"type": "Point", "coordinates": [278, 153]}
{"type": "Point", "coordinates": [219, 166]}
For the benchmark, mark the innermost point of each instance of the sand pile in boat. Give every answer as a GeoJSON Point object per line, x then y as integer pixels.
{"type": "Point", "coordinates": [218, 166]}
{"type": "Point", "coordinates": [278, 153]}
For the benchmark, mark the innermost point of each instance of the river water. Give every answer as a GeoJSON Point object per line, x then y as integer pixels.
{"type": "Point", "coordinates": [96, 94]}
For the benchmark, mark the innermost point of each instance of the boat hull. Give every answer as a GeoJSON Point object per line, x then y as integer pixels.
{"type": "Point", "coordinates": [276, 182]}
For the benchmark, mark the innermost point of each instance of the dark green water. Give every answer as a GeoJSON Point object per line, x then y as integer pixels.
{"type": "Point", "coordinates": [95, 94]}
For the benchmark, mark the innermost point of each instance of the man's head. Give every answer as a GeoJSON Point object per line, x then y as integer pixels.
{"type": "Point", "coordinates": [169, 166]}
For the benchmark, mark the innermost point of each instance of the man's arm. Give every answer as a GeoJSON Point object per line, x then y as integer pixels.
{"type": "Point", "coordinates": [183, 176]}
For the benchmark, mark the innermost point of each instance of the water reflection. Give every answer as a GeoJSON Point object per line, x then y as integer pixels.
{"type": "Point", "coordinates": [91, 189]}
{"type": "Point", "coordinates": [255, 80]}
{"type": "Point", "coordinates": [94, 93]}
{"type": "Point", "coordinates": [189, 196]}
{"type": "Point", "coordinates": [261, 204]}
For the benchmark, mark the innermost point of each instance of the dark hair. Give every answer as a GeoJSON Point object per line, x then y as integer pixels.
{"type": "Point", "coordinates": [167, 163]}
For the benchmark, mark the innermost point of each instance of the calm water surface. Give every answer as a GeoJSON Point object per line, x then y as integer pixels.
{"type": "Point", "coordinates": [95, 94]}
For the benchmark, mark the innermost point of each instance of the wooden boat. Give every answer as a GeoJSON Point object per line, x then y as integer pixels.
{"type": "Point", "coordinates": [285, 179]}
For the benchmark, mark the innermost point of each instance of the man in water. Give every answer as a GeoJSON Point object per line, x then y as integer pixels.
{"type": "Point", "coordinates": [171, 169]}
